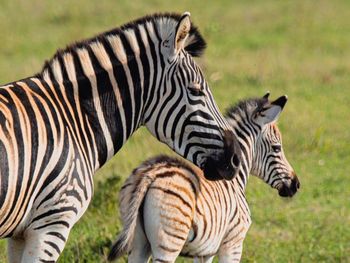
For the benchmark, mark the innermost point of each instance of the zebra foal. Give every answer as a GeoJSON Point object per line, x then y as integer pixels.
{"type": "Point", "coordinates": [168, 208]}
{"type": "Point", "coordinates": [61, 125]}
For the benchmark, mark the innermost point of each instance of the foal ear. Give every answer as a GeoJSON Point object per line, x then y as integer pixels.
{"type": "Point", "coordinates": [271, 111]}
{"type": "Point", "coordinates": [266, 96]}
{"type": "Point", "coordinates": [182, 31]}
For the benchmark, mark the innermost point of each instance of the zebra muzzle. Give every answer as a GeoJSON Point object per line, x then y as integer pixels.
{"type": "Point", "coordinates": [218, 170]}
{"type": "Point", "coordinates": [291, 189]}
{"type": "Point", "coordinates": [212, 172]}
{"type": "Point", "coordinates": [228, 164]}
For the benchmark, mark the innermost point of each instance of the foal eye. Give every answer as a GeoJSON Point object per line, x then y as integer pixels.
{"type": "Point", "coordinates": [196, 89]}
{"type": "Point", "coordinates": [276, 148]}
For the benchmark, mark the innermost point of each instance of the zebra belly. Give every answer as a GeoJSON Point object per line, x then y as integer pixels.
{"type": "Point", "coordinates": [203, 243]}
{"type": "Point", "coordinates": [211, 236]}
{"type": "Point", "coordinates": [208, 247]}
{"type": "Point", "coordinates": [64, 200]}
{"type": "Point", "coordinates": [233, 236]}
{"type": "Point", "coordinates": [64, 197]}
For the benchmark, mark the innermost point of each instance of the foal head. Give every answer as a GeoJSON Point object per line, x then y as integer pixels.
{"type": "Point", "coordinates": [270, 163]}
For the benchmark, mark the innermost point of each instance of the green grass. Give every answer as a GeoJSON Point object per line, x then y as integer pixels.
{"type": "Point", "coordinates": [299, 48]}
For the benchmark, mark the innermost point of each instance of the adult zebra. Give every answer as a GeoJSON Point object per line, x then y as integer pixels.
{"type": "Point", "coordinates": [58, 127]}
{"type": "Point", "coordinates": [169, 208]}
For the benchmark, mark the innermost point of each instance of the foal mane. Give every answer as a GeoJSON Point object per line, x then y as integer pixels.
{"type": "Point", "coordinates": [246, 107]}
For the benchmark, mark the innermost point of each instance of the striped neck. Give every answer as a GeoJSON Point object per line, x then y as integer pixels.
{"type": "Point", "coordinates": [246, 137]}
{"type": "Point", "coordinates": [105, 83]}
{"type": "Point", "coordinates": [246, 165]}
{"type": "Point", "coordinates": [114, 82]}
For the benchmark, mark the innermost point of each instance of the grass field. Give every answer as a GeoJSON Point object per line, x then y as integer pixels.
{"type": "Point", "coordinates": [299, 48]}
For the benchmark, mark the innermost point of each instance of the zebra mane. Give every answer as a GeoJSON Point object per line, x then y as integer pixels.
{"type": "Point", "coordinates": [194, 45]}
{"type": "Point", "coordinates": [246, 108]}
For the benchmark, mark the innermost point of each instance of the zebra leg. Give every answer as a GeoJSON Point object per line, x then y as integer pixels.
{"type": "Point", "coordinates": [231, 255]}
{"type": "Point", "coordinates": [44, 245]}
{"type": "Point", "coordinates": [15, 248]}
{"type": "Point", "coordinates": [207, 259]}
{"type": "Point", "coordinates": [162, 253]}
{"type": "Point", "coordinates": [166, 229]}
{"type": "Point", "coordinates": [141, 250]}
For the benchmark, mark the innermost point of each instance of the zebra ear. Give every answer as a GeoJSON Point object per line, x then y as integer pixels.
{"type": "Point", "coordinates": [182, 31]}
{"type": "Point", "coordinates": [266, 96]}
{"type": "Point", "coordinates": [271, 112]}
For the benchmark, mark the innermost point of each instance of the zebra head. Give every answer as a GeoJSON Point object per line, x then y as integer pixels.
{"type": "Point", "coordinates": [269, 162]}
{"type": "Point", "coordinates": [184, 114]}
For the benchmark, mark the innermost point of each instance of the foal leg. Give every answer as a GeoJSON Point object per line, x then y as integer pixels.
{"type": "Point", "coordinates": [15, 248]}
{"type": "Point", "coordinates": [207, 259]}
{"type": "Point", "coordinates": [231, 255]}
{"type": "Point", "coordinates": [166, 229]}
{"type": "Point", "coordinates": [141, 250]}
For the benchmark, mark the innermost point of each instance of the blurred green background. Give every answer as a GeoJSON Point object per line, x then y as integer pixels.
{"type": "Point", "coordinates": [300, 48]}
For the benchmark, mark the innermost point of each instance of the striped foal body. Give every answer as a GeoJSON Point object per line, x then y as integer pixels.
{"type": "Point", "coordinates": [58, 127]}
{"type": "Point", "coordinates": [168, 208]}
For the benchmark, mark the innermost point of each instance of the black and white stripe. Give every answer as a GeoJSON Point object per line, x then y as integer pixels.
{"type": "Point", "coordinates": [168, 208]}
{"type": "Point", "coordinates": [58, 127]}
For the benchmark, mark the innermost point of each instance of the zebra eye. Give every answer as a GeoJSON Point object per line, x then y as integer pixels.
{"type": "Point", "coordinates": [196, 89]}
{"type": "Point", "coordinates": [276, 148]}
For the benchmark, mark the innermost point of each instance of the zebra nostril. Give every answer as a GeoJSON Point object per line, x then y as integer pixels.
{"type": "Point", "coordinates": [235, 160]}
{"type": "Point", "coordinates": [295, 183]}
{"type": "Point", "coordinates": [295, 180]}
